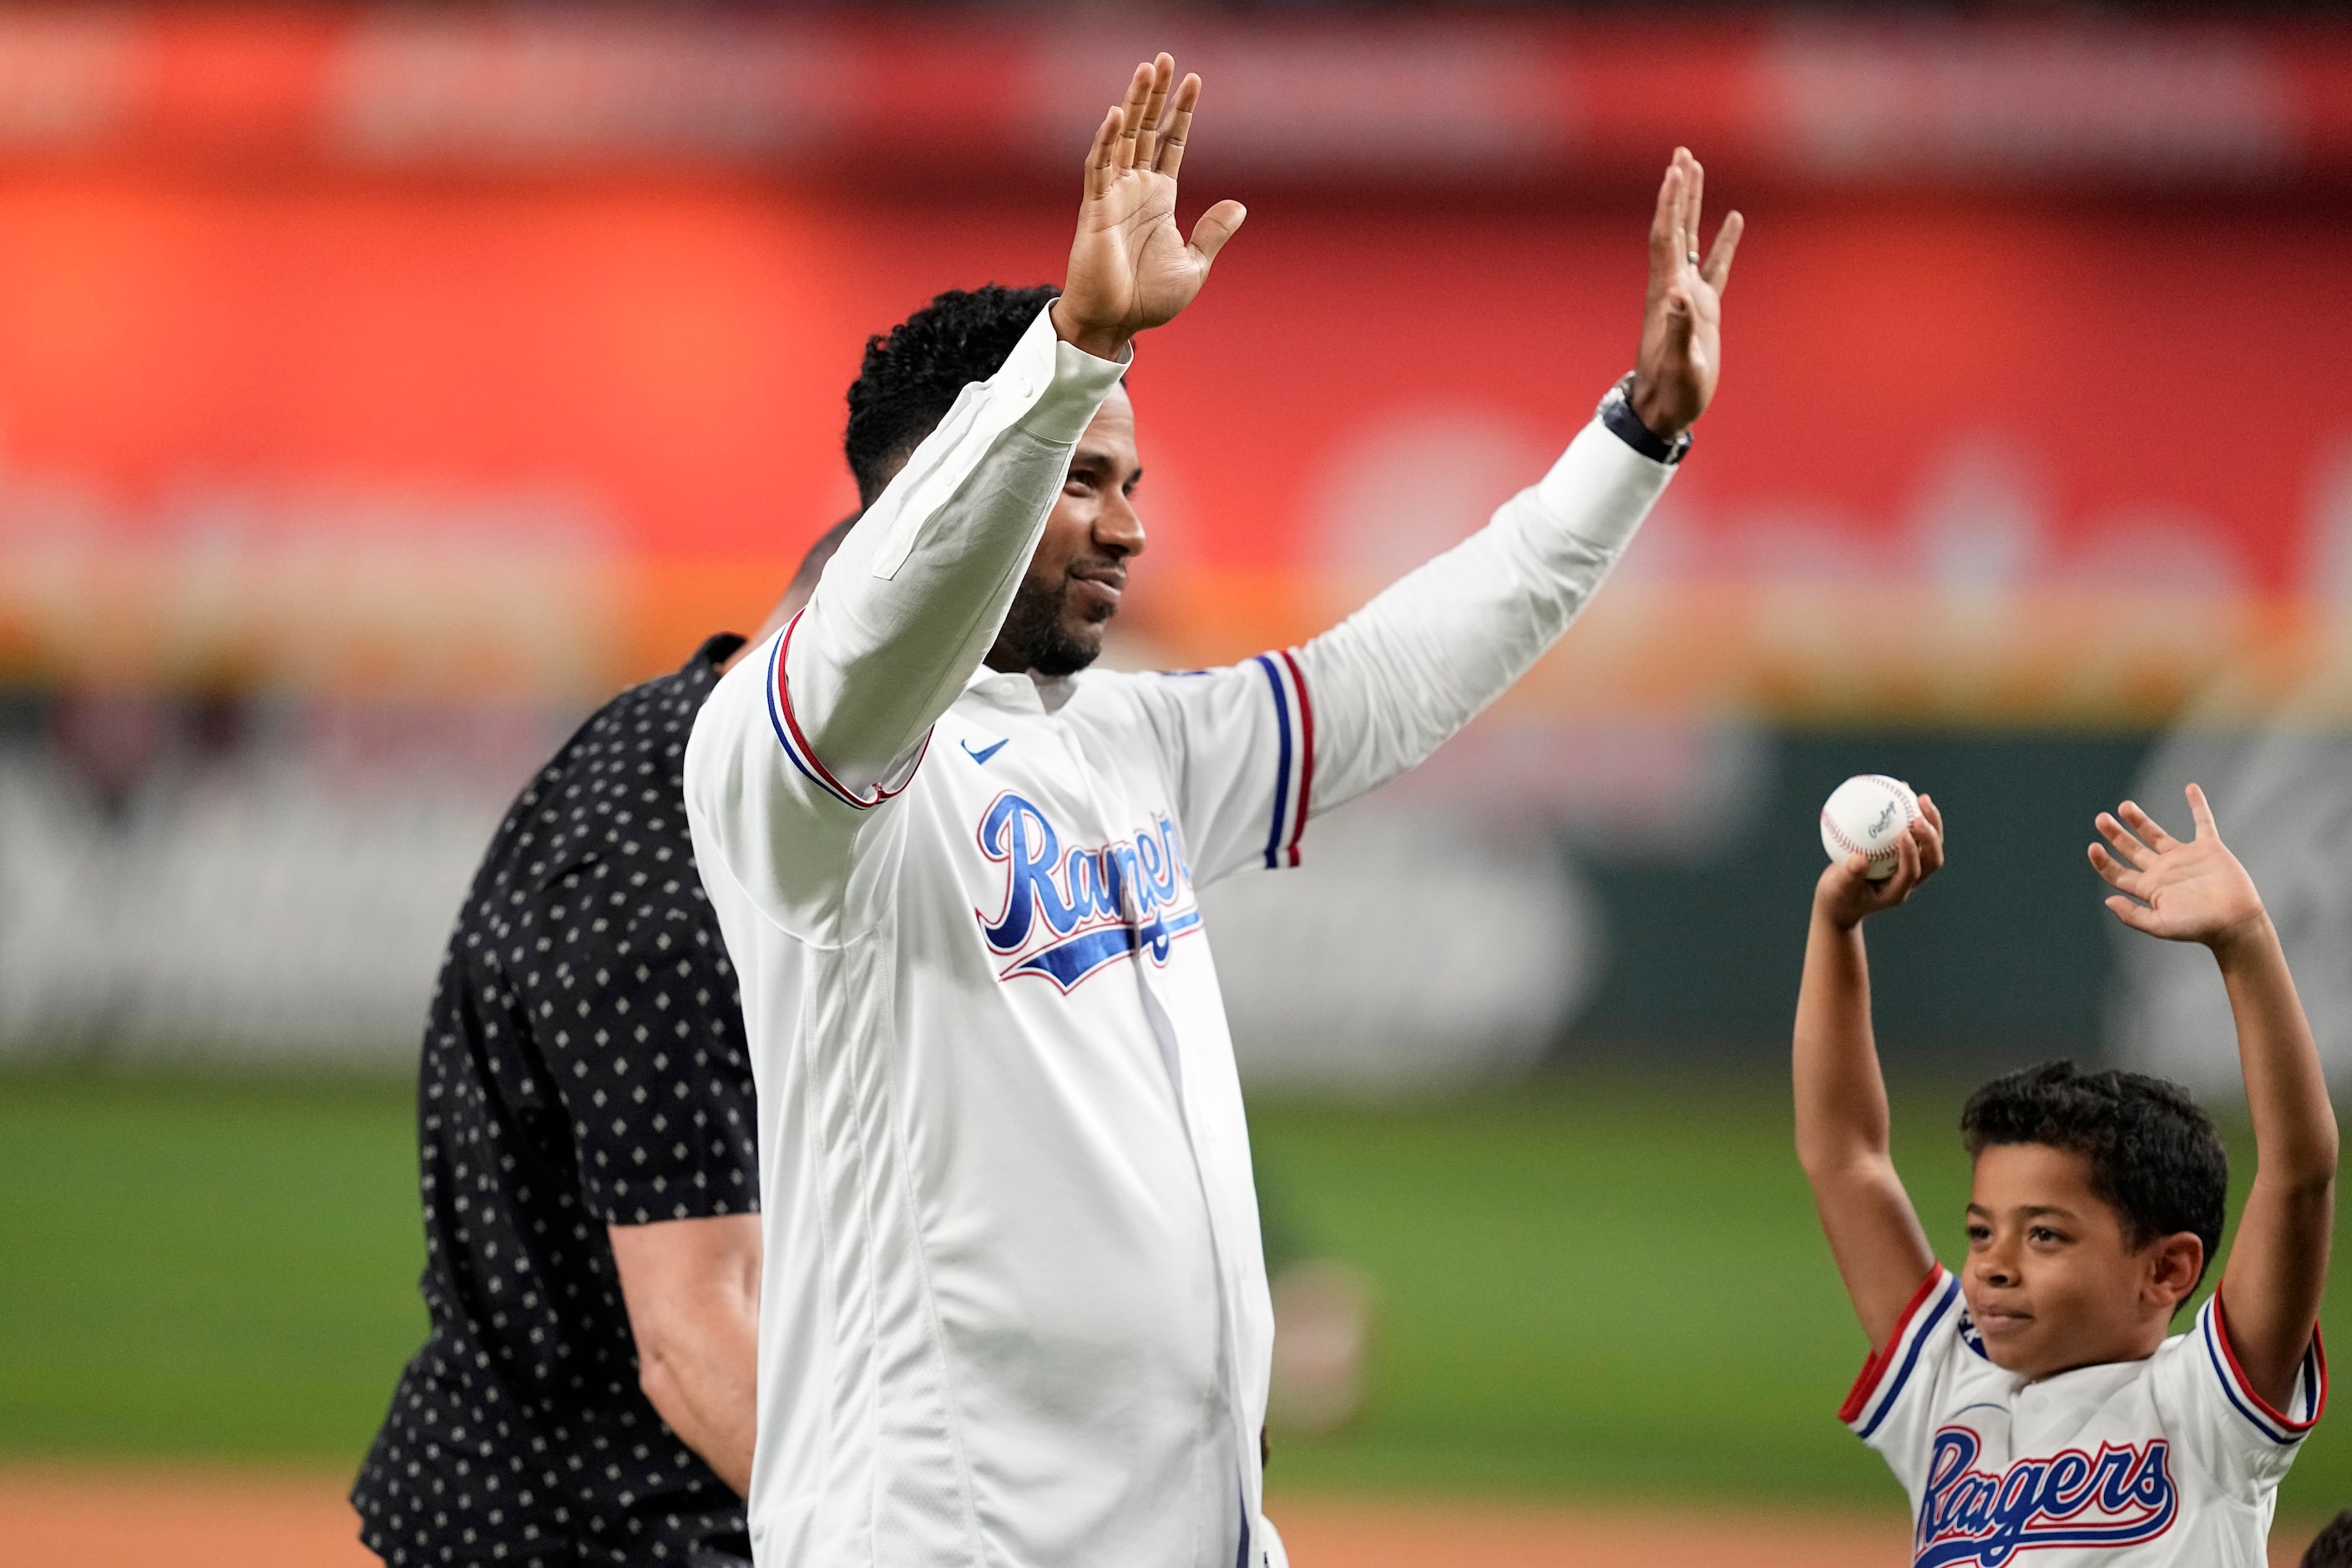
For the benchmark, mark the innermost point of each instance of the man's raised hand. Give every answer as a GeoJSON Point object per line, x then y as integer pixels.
{"type": "Point", "coordinates": [1682, 324]}
{"type": "Point", "coordinates": [1130, 267]}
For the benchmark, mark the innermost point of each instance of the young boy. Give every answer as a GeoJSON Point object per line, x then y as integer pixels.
{"type": "Point", "coordinates": [2035, 1403]}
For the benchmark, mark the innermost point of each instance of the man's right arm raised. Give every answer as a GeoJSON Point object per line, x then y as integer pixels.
{"type": "Point", "coordinates": [906, 609]}
{"type": "Point", "coordinates": [830, 720]}
{"type": "Point", "coordinates": [807, 734]}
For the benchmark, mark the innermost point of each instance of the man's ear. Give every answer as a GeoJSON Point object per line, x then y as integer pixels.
{"type": "Point", "coordinates": [2174, 1263]}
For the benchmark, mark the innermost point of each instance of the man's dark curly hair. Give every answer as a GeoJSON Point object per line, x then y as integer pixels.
{"type": "Point", "coordinates": [913, 373]}
{"type": "Point", "coordinates": [2154, 1155]}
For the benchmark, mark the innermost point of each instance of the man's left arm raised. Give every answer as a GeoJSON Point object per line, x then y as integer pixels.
{"type": "Point", "coordinates": [1395, 679]}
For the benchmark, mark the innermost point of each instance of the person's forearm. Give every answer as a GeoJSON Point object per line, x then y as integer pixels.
{"type": "Point", "coordinates": [908, 608]}
{"type": "Point", "coordinates": [1873, 1232]}
{"type": "Point", "coordinates": [1399, 677]}
{"type": "Point", "coordinates": [700, 1377]}
{"type": "Point", "coordinates": [2286, 1092]}
{"type": "Point", "coordinates": [1840, 1094]}
{"type": "Point", "coordinates": [2278, 1262]}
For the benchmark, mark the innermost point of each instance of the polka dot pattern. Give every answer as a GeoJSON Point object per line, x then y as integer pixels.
{"type": "Point", "coordinates": [584, 1065]}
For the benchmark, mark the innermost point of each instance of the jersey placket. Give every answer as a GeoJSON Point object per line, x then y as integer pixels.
{"type": "Point", "coordinates": [1162, 1021]}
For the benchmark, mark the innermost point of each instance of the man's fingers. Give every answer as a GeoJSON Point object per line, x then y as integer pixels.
{"type": "Point", "coordinates": [1171, 155]}
{"type": "Point", "coordinates": [1103, 157]}
{"type": "Point", "coordinates": [1147, 141]}
{"type": "Point", "coordinates": [1216, 227]}
{"type": "Point", "coordinates": [1717, 270]}
{"type": "Point", "coordinates": [1694, 194]}
{"type": "Point", "coordinates": [1138, 92]}
{"type": "Point", "coordinates": [1665, 225]}
{"type": "Point", "coordinates": [2139, 917]}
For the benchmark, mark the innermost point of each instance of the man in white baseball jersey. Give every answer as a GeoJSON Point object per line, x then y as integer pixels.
{"type": "Point", "coordinates": [2034, 1404]}
{"type": "Point", "coordinates": [1014, 1308]}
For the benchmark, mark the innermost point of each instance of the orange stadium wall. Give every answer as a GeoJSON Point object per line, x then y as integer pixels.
{"type": "Point", "coordinates": [1975, 460]}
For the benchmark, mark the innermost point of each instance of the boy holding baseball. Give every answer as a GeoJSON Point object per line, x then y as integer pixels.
{"type": "Point", "coordinates": [2039, 1401]}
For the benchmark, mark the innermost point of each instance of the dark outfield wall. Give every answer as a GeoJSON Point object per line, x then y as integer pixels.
{"type": "Point", "coordinates": [2005, 955]}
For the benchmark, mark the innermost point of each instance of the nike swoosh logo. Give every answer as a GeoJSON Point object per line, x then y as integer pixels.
{"type": "Point", "coordinates": [986, 751]}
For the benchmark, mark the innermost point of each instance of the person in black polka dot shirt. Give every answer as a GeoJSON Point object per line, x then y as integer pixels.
{"type": "Point", "coordinates": [591, 1184]}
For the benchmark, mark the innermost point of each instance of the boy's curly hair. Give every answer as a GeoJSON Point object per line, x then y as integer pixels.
{"type": "Point", "coordinates": [913, 373]}
{"type": "Point", "coordinates": [2333, 1548]}
{"type": "Point", "coordinates": [2154, 1155]}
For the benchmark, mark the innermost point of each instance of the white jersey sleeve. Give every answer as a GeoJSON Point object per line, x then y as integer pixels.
{"type": "Point", "coordinates": [827, 721]}
{"type": "Point", "coordinates": [1393, 681]}
{"type": "Point", "coordinates": [1240, 743]}
{"type": "Point", "coordinates": [1895, 1405]}
{"type": "Point", "coordinates": [2217, 1420]}
{"type": "Point", "coordinates": [1260, 745]}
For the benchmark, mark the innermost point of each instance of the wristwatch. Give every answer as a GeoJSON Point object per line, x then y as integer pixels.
{"type": "Point", "coordinates": [1617, 413]}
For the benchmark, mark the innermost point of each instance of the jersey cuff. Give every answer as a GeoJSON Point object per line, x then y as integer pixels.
{"type": "Point", "coordinates": [1061, 384]}
{"type": "Point", "coordinates": [1599, 489]}
{"type": "Point", "coordinates": [787, 726]}
{"type": "Point", "coordinates": [2310, 1395]}
{"type": "Point", "coordinates": [1294, 766]}
{"type": "Point", "coordinates": [1886, 1373]}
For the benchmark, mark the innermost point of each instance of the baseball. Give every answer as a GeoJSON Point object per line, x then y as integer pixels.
{"type": "Point", "coordinates": [1867, 814]}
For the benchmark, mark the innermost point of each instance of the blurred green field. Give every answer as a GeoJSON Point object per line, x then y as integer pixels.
{"type": "Point", "coordinates": [1588, 1286]}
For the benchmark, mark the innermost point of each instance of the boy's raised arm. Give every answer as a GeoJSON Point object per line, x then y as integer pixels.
{"type": "Point", "coordinates": [2197, 891]}
{"type": "Point", "coordinates": [1841, 1120]}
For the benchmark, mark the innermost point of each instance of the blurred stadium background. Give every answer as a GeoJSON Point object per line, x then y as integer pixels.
{"type": "Point", "coordinates": [380, 387]}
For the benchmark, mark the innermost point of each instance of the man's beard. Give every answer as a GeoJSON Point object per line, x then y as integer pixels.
{"type": "Point", "coordinates": [1034, 633]}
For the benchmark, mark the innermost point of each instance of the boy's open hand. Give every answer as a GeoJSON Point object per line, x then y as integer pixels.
{"type": "Point", "coordinates": [2195, 891]}
{"type": "Point", "coordinates": [1848, 898]}
{"type": "Point", "coordinates": [1130, 267]}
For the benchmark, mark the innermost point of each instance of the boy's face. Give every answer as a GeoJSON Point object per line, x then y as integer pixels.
{"type": "Point", "coordinates": [2050, 1279]}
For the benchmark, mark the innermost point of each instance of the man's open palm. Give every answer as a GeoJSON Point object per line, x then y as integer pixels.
{"type": "Point", "coordinates": [1130, 267]}
{"type": "Point", "coordinates": [1682, 320]}
{"type": "Point", "coordinates": [2186, 891]}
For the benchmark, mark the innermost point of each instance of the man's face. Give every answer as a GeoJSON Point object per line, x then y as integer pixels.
{"type": "Point", "coordinates": [2052, 1278]}
{"type": "Point", "coordinates": [1079, 570]}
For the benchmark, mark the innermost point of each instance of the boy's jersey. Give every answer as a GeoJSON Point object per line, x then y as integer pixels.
{"type": "Point", "coordinates": [1013, 1304]}
{"type": "Point", "coordinates": [2171, 1460]}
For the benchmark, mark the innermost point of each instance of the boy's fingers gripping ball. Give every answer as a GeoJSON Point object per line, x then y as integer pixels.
{"type": "Point", "coordinates": [1867, 815]}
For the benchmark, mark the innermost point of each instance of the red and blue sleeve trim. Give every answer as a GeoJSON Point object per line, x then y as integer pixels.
{"type": "Point", "coordinates": [1885, 1374]}
{"type": "Point", "coordinates": [787, 726]}
{"type": "Point", "coordinates": [1293, 787]}
{"type": "Point", "coordinates": [2310, 1384]}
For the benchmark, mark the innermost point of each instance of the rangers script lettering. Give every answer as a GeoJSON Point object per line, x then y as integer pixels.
{"type": "Point", "coordinates": [1095, 904]}
{"type": "Point", "coordinates": [2122, 1498]}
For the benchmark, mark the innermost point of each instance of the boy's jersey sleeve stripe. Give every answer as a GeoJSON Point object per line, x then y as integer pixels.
{"type": "Point", "coordinates": [1886, 1372]}
{"type": "Point", "coordinates": [2311, 1381]}
{"type": "Point", "coordinates": [1306, 753]}
{"type": "Point", "coordinates": [1281, 764]}
{"type": "Point", "coordinates": [796, 747]}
